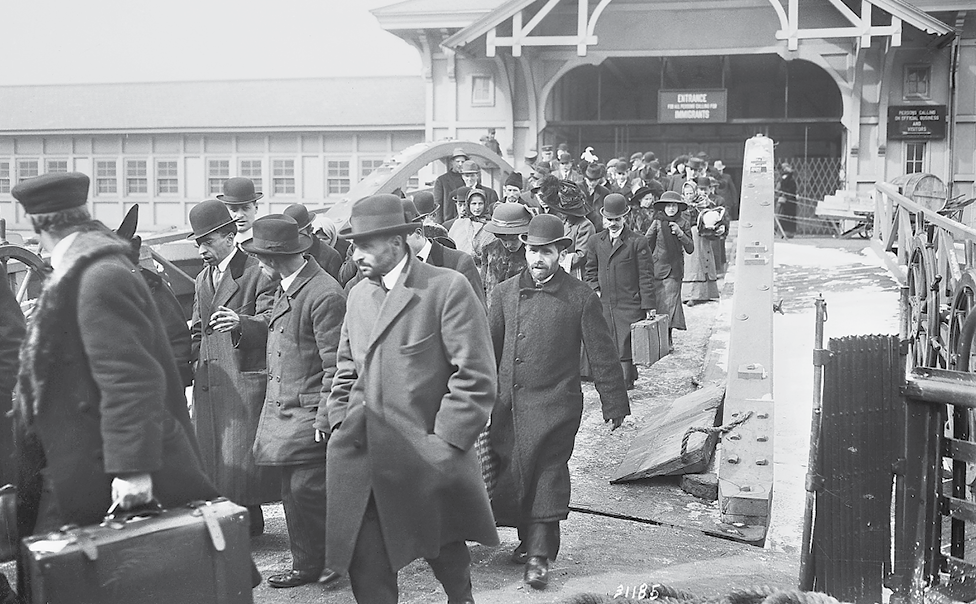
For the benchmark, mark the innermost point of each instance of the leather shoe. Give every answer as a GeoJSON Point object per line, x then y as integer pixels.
{"type": "Point", "coordinates": [537, 572]}
{"type": "Point", "coordinates": [519, 555]}
{"type": "Point", "coordinates": [329, 576]}
{"type": "Point", "coordinates": [292, 578]}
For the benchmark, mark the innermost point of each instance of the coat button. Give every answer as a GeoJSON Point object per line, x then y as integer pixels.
{"type": "Point", "coordinates": [518, 360]}
{"type": "Point", "coordinates": [516, 386]}
{"type": "Point", "coordinates": [278, 403]}
{"type": "Point", "coordinates": [282, 330]}
{"type": "Point", "coordinates": [208, 330]}
{"type": "Point", "coordinates": [279, 353]}
{"type": "Point", "coordinates": [521, 336]}
{"type": "Point", "coordinates": [522, 296]}
{"type": "Point", "coordinates": [277, 378]}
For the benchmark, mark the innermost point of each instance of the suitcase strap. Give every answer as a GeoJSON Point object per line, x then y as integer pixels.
{"type": "Point", "coordinates": [212, 521]}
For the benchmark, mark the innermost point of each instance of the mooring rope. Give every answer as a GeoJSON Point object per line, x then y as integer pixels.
{"type": "Point", "coordinates": [720, 430]}
{"type": "Point", "coordinates": [667, 595]}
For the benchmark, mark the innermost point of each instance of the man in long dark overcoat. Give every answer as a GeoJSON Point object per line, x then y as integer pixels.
{"type": "Point", "coordinates": [303, 334]}
{"type": "Point", "coordinates": [446, 184]}
{"type": "Point", "coordinates": [12, 329]}
{"type": "Point", "coordinates": [620, 267]}
{"type": "Point", "coordinates": [228, 334]}
{"type": "Point", "coordinates": [101, 401]}
{"type": "Point", "coordinates": [539, 319]}
{"type": "Point", "coordinates": [413, 388]}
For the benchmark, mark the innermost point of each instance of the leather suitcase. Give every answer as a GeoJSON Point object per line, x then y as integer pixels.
{"type": "Point", "coordinates": [649, 340]}
{"type": "Point", "coordinates": [198, 554]}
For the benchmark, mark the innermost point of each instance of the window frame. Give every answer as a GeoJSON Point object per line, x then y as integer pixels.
{"type": "Point", "coordinates": [259, 181]}
{"type": "Point", "coordinates": [211, 178]}
{"type": "Point", "coordinates": [159, 178]}
{"type": "Point", "coordinates": [337, 177]}
{"type": "Point", "coordinates": [275, 178]}
{"type": "Point", "coordinates": [907, 71]}
{"type": "Point", "coordinates": [49, 160]}
{"type": "Point", "coordinates": [6, 182]}
{"type": "Point", "coordinates": [913, 160]}
{"type": "Point", "coordinates": [489, 99]}
{"type": "Point", "coordinates": [114, 178]}
{"type": "Point", "coordinates": [127, 178]}
{"type": "Point", "coordinates": [23, 160]}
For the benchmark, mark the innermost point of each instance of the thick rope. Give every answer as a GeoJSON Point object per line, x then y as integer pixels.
{"type": "Point", "coordinates": [668, 595]}
{"type": "Point", "coordinates": [720, 430]}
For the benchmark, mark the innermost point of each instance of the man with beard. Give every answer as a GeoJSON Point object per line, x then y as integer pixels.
{"type": "Point", "coordinates": [539, 320]}
{"type": "Point", "coordinates": [242, 202]}
{"type": "Point", "coordinates": [504, 257]}
{"type": "Point", "coordinates": [230, 379]}
{"type": "Point", "coordinates": [619, 267]}
{"type": "Point", "coordinates": [413, 388]}
{"type": "Point", "coordinates": [446, 184]}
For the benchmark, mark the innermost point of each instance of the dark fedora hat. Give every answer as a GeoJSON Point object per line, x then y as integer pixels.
{"type": "Point", "coordinates": [425, 204]}
{"type": "Point", "coordinates": [546, 229]}
{"type": "Point", "coordinates": [670, 197]}
{"type": "Point", "coordinates": [515, 180]}
{"type": "Point", "coordinates": [509, 219]}
{"type": "Point", "coordinates": [300, 213]}
{"type": "Point", "coordinates": [461, 194]}
{"type": "Point", "coordinates": [377, 215]}
{"type": "Point", "coordinates": [276, 235]}
{"type": "Point", "coordinates": [614, 206]}
{"type": "Point", "coordinates": [411, 214]}
{"type": "Point", "coordinates": [208, 216]}
{"type": "Point", "coordinates": [595, 171]}
{"type": "Point", "coordinates": [52, 192]}
{"type": "Point", "coordinates": [239, 190]}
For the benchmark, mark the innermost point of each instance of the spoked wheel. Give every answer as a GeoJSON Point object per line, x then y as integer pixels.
{"type": "Point", "coordinates": [923, 300]}
{"type": "Point", "coordinates": [28, 283]}
{"type": "Point", "coordinates": [962, 325]}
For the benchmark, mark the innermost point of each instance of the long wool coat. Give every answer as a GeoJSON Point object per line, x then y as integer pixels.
{"type": "Point", "coordinates": [536, 334]}
{"type": "Point", "coordinates": [669, 252]}
{"type": "Point", "coordinates": [498, 264]}
{"type": "Point", "coordinates": [99, 390]}
{"type": "Point", "coordinates": [303, 335]}
{"type": "Point", "coordinates": [413, 388]}
{"type": "Point", "coordinates": [231, 376]}
{"type": "Point", "coordinates": [624, 274]}
{"type": "Point", "coordinates": [12, 329]}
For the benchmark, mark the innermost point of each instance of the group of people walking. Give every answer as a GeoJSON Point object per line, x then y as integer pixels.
{"type": "Point", "coordinates": [351, 373]}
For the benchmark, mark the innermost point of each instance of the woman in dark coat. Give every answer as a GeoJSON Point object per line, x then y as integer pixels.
{"type": "Point", "coordinates": [701, 278]}
{"type": "Point", "coordinates": [504, 257]}
{"type": "Point", "coordinates": [669, 239]}
{"type": "Point", "coordinates": [786, 189]}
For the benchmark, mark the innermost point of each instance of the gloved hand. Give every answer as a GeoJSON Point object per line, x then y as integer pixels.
{"type": "Point", "coordinates": [132, 490]}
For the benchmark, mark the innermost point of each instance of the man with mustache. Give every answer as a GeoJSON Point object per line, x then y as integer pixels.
{"type": "Point", "coordinates": [539, 319]}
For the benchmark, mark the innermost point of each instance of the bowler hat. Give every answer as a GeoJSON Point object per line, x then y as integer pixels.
{"type": "Point", "coordinates": [410, 213]}
{"type": "Point", "coordinates": [695, 163]}
{"type": "Point", "coordinates": [52, 192]}
{"type": "Point", "coordinates": [239, 190]}
{"type": "Point", "coordinates": [564, 157]}
{"type": "Point", "coordinates": [276, 235]}
{"type": "Point", "coordinates": [531, 155]}
{"type": "Point", "coordinates": [635, 156]}
{"type": "Point", "coordinates": [514, 180]}
{"type": "Point", "coordinates": [459, 152]}
{"type": "Point", "coordinates": [461, 194]}
{"type": "Point", "coordinates": [719, 164]}
{"type": "Point", "coordinates": [546, 229]}
{"type": "Point", "coordinates": [648, 157]}
{"type": "Point", "coordinates": [595, 171]}
{"type": "Point", "coordinates": [703, 181]}
{"type": "Point", "coordinates": [425, 204]}
{"type": "Point", "coordinates": [509, 219]}
{"type": "Point", "coordinates": [300, 213]}
{"type": "Point", "coordinates": [208, 216]}
{"type": "Point", "coordinates": [470, 167]}
{"type": "Point", "coordinates": [670, 197]}
{"type": "Point", "coordinates": [377, 215]}
{"type": "Point", "coordinates": [614, 206]}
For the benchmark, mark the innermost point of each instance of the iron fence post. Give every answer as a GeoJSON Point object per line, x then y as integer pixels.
{"type": "Point", "coordinates": [813, 480]}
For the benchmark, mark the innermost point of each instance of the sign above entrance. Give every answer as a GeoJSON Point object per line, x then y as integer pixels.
{"type": "Point", "coordinates": [913, 122]}
{"type": "Point", "coordinates": [692, 106]}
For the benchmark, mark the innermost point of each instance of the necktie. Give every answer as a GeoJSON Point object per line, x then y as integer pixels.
{"type": "Point", "coordinates": [215, 277]}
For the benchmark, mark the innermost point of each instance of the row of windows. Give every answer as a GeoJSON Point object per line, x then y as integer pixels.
{"type": "Point", "coordinates": [135, 177]}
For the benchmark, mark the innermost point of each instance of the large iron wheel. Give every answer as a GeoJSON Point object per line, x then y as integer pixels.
{"type": "Point", "coordinates": [962, 325]}
{"type": "Point", "coordinates": [923, 301]}
{"type": "Point", "coordinates": [29, 282]}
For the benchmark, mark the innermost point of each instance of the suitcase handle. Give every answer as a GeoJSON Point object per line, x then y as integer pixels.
{"type": "Point", "coordinates": [146, 510]}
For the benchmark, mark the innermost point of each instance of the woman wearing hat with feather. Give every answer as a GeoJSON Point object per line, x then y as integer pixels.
{"type": "Point", "coordinates": [669, 238]}
{"type": "Point", "coordinates": [566, 199]}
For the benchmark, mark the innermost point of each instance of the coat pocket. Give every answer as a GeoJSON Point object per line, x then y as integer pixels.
{"type": "Point", "coordinates": [418, 346]}
{"type": "Point", "coordinates": [310, 400]}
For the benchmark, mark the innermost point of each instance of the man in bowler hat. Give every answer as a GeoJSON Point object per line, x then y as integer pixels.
{"type": "Point", "coordinates": [242, 202]}
{"type": "Point", "coordinates": [413, 387]}
{"type": "Point", "coordinates": [446, 184]}
{"type": "Point", "coordinates": [101, 417]}
{"type": "Point", "coordinates": [539, 320]}
{"type": "Point", "coordinates": [302, 337]}
{"type": "Point", "coordinates": [620, 268]}
{"type": "Point", "coordinates": [228, 334]}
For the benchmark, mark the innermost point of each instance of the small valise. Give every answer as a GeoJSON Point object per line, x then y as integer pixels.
{"type": "Point", "coordinates": [649, 340]}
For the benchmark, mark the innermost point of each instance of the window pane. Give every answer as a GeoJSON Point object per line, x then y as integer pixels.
{"type": "Point", "coordinates": [218, 171]}
{"type": "Point", "coordinates": [167, 178]}
{"type": "Point", "coordinates": [283, 176]}
{"type": "Point", "coordinates": [56, 165]}
{"type": "Point", "coordinates": [26, 168]}
{"type": "Point", "coordinates": [337, 176]}
{"type": "Point", "coordinates": [366, 166]}
{"type": "Point", "coordinates": [914, 157]}
{"type": "Point", "coordinates": [4, 176]}
{"type": "Point", "coordinates": [136, 180]}
{"type": "Point", "coordinates": [105, 177]}
{"type": "Point", "coordinates": [251, 168]}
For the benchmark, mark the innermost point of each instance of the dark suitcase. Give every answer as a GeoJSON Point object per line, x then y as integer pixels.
{"type": "Point", "coordinates": [649, 340]}
{"type": "Point", "coordinates": [198, 554]}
